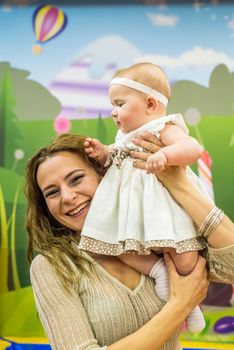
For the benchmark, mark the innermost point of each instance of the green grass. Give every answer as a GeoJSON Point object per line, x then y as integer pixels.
{"type": "Point", "coordinates": [15, 274]}
{"type": "Point", "coordinates": [4, 245]}
{"type": "Point", "coordinates": [7, 247]}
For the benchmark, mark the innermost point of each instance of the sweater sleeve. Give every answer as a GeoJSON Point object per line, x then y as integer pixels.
{"type": "Point", "coordinates": [220, 264]}
{"type": "Point", "coordinates": [61, 312]}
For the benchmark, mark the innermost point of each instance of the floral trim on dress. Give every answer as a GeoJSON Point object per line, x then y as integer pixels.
{"type": "Point", "coordinates": [118, 153]}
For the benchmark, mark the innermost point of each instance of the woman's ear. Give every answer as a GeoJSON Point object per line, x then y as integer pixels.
{"type": "Point", "coordinates": [152, 104]}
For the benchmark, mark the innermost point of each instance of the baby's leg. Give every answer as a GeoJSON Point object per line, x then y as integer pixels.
{"type": "Point", "coordinates": [185, 263]}
{"type": "Point", "coordinates": [153, 266]}
{"type": "Point", "coordinates": [141, 263]}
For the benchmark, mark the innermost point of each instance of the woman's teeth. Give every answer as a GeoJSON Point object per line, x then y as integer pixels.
{"type": "Point", "coordinates": [78, 209]}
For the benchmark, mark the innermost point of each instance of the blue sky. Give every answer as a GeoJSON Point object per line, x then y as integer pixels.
{"type": "Point", "coordinates": [187, 41]}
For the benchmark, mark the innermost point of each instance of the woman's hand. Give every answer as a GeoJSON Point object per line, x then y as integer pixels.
{"type": "Point", "coordinates": [171, 176]}
{"type": "Point", "coordinates": [188, 290]}
{"type": "Point", "coordinates": [150, 143]}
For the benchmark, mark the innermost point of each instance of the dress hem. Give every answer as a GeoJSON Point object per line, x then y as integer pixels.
{"type": "Point", "coordinates": [136, 247]}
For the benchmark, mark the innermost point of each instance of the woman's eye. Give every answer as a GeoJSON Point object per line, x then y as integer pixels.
{"type": "Point", "coordinates": [51, 193]}
{"type": "Point", "coordinates": [76, 179]}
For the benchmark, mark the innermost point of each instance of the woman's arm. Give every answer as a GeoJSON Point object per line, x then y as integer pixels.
{"type": "Point", "coordinates": [186, 194]}
{"type": "Point", "coordinates": [196, 205]}
{"type": "Point", "coordinates": [67, 326]}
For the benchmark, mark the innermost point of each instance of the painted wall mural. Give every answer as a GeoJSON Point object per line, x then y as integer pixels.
{"type": "Point", "coordinates": [65, 89]}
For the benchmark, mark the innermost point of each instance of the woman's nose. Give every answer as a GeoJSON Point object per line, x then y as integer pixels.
{"type": "Point", "coordinates": [68, 195]}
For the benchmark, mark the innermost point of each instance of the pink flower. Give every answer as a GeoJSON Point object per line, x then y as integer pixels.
{"type": "Point", "coordinates": [62, 125]}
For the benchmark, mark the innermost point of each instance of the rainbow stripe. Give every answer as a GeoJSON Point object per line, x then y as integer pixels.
{"type": "Point", "coordinates": [204, 172]}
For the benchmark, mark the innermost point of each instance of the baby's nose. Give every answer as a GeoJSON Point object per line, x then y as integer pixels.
{"type": "Point", "coordinates": [114, 112]}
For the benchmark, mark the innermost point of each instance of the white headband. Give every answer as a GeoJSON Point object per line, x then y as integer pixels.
{"type": "Point", "coordinates": [140, 87]}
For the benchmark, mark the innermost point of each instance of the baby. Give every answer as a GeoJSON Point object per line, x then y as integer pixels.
{"type": "Point", "coordinates": [132, 212]}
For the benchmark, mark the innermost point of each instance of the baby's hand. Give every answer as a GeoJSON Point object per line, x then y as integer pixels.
{"type": "Point", "coordinates": [156, 162]}
{"type": "Point", "coordinates": [95, 149]}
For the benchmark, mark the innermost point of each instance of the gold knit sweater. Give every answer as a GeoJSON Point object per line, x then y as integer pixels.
{"type": "Point", "coordinates": [102, 310]}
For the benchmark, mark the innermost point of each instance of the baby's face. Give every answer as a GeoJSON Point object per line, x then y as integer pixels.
{"type": "Point", "coordinates": [130, 107]}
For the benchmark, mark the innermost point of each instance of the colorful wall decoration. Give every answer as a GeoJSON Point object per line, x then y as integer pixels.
{"type": "Point", "coordinates": [64, 88]}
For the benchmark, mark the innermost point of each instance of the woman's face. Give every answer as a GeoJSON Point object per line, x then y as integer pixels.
{"type": "Point", "coordinates": [68, 184]}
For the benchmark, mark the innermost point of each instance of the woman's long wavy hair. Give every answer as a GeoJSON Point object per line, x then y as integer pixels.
{"type": "Point", "coordinates": [45, 234]}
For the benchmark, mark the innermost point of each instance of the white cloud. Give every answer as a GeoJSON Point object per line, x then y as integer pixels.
{"type": "Point", "coordinates": [109, 49]}
{"type": "Point", "coordinates": [195, 64]}
{"type": "Point", "coordinates": [195, 58]}
{"type": "Point", "coordinates": [160, 20]}
{"type": "Point", "coordinates": [231, 24]}
{"type": "Point", "coordinates": [6, 8]}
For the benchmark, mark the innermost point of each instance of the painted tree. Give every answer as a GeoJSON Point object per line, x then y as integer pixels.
{"type": "Point", "coordinates": [9, 131]}
{"type": "Point", "coordinates": [2, 127]}
{"type": "Point", "coordinates": [9, 141]}
{"type": "Point", "coordinates": [217, 99]}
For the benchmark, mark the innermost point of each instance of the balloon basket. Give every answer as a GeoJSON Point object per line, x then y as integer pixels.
{"type": "Point", "coordinates": [37, 49]}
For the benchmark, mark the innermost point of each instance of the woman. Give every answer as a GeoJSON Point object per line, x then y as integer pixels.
{"type": "Point", "coordinates": [94, 302]}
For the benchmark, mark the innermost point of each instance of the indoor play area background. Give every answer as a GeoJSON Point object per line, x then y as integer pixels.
{"type": "Point", "coordinates": [56, 60]}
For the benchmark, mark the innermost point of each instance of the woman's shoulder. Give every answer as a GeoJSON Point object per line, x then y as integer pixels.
{"type": "Point", "coordinates": [40, 263]}
{"type": "Point", "coordinates": [39, 259]}
{"type": "Point", "coordinates": [43, 274]}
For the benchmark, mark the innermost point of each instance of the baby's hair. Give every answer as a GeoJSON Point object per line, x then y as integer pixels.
{"type": "Point", "coordinates": [148, 74]}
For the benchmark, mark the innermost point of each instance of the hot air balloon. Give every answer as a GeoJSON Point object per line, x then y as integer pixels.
{"type": "Point", "coordinates": [48, 22]}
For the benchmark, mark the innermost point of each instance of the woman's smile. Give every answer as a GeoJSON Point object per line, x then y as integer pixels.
{"type": "Point", "coordinates": [79, 210]}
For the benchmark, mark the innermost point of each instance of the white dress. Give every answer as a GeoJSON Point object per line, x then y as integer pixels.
{"type": "Point", "coordinates": [133, 212]}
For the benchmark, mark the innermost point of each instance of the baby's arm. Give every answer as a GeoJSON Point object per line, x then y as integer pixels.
{"type": "Point", "coordinates": [95, 149]}
{"type": "Point", "coordinates": [180, 149]}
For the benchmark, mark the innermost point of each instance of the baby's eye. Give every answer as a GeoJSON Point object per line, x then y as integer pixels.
{"type": "Point", "coordinates": [120, 104]}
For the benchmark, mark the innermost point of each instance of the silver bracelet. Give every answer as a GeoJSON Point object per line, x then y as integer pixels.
{"type": "Point", "coordinates": [210, 223]}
